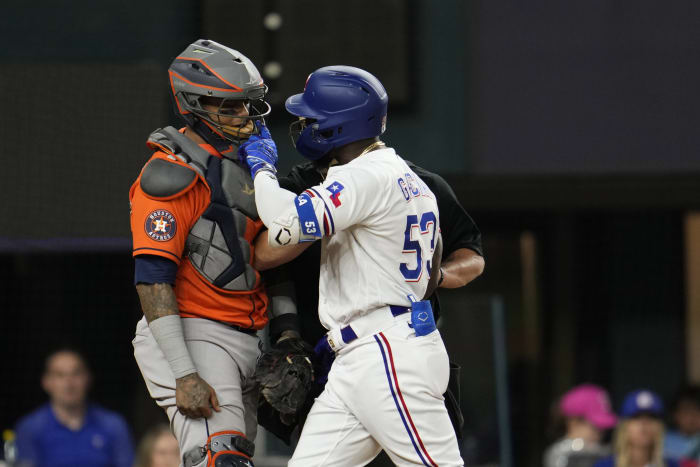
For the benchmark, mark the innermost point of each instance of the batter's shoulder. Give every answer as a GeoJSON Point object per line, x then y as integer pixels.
{"type": "Point", "coordinates": [366, 177]}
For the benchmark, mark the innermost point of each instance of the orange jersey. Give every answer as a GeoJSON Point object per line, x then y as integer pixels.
{"type": "Point", "coordinates": [160, 227]}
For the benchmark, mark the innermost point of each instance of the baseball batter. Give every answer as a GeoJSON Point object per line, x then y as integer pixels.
{"type": "Point", "coordinates": [379, 225]}
{"type": "Point", "coordinates": [194, 221]}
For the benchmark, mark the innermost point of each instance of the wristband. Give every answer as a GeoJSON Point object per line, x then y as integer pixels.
{"type": "Point", "coordinates": [167, 331]}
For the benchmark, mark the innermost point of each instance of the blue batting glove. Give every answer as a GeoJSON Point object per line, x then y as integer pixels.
{"type": "Point", "coordinates": [263, 133]}
{"type": "Point", "coordinates": [262, 128]}
{"type": "Point", "coordinates": [259, 152]}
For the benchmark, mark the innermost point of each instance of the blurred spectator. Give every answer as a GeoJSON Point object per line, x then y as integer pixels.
{"type": "Point", "coordinates": [68, 430]}
{"type": "Point", "coordinates": [639, 436]}
{"type": "Point", "coordinates": [684, 440]}
{"type": "Point", "coordinates": [158, 448]}
{"type": "Point", "coordinates": [586, 413]}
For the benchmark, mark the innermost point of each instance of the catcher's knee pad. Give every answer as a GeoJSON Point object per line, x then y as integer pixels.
{"type": "Point", "coordinates": [223, 449]}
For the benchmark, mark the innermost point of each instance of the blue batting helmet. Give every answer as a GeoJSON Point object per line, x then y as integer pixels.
{"type": "Point", "coordinates": [340, 104]}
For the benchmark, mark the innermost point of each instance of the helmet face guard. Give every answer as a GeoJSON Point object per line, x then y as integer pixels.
{"type": "Point", "coordinates": [339, 105]}
{"type": "Point", "coordinates": [297, 127]}
{"type": "Point", "coordinates": [256, 109]}
{"type": "Point", "coordinates": [208, 73]}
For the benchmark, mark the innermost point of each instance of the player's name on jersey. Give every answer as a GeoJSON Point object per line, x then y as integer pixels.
{"type": "Point", "coordinates": [412, 187]}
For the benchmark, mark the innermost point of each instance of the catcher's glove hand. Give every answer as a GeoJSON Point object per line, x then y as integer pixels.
{"type": "Point", "coordinates": [285, 374]}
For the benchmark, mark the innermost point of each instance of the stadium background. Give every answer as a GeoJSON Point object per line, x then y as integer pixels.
{"type": "Point", "coordinates": [568, 131]}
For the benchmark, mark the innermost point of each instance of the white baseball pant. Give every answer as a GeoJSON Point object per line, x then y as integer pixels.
{"type": "Point", "coordinates": [384, 391]}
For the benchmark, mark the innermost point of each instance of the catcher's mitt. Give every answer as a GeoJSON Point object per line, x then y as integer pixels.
{"type": "Point", "coordinates": [285, 375]}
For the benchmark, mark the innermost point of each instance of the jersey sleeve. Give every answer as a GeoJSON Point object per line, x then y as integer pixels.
{"type": "Point", "coordinates": [160, 227]}
{"type": "Point", "coordinates": [346, 198]}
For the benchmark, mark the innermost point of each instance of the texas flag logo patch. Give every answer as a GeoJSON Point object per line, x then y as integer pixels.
{"type": "Point", "coordinates": [335, 188]}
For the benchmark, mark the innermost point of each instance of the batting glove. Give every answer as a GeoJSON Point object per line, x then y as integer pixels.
{"type": "Point", "coordinates": [259, 152]}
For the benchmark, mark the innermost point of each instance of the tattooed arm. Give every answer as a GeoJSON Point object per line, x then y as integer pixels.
{"type": "Point", "coordinates": [157, 300]}
{"type": "Point", "coordinates": [194, 396]}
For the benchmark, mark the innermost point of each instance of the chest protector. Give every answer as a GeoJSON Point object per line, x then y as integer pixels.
{"type": "Point", "coordinates": [215, 245]}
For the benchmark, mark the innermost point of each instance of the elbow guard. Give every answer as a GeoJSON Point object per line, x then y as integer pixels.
{"type": "Point", "coordinates": [299, 223]}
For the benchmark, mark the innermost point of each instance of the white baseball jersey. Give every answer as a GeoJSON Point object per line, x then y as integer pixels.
{"type": "Point", "coordinates": [380, 224]}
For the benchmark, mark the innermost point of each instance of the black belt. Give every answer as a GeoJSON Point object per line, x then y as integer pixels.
{"type": "Point", "coordinates": [249, 331]}
{"type": "Point", "coordinates": [397, 310]}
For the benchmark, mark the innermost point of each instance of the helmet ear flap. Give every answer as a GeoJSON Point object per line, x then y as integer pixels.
{"type": "Point", "coordinates": [182, 102]}
{"type": "Point", "coordinates": [312, 143]}
{"type": "Point", "coordinates": [329, 133]}
{"type": "Point", "coordinates": [181, 107]}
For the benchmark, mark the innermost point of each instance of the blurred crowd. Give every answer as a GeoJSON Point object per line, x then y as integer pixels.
{"type": "Point", "coordinates": [641, 434]}
{"type": "Point", "coordinates": [70, 430]}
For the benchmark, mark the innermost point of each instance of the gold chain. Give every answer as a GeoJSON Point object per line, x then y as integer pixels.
{"type": "Point", "coordinates": [377, 144]}
{"type": "Point", "coordinates": [372, 147]}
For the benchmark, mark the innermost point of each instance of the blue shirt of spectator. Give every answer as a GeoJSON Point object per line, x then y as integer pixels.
{"type": "Point", "coordinates": [103, 440]}
{"type": "Point", "coordinates": [610, 462]}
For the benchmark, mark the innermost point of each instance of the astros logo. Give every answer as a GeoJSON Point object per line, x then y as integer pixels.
{"type": "Point", "coordinates": [160, 225]}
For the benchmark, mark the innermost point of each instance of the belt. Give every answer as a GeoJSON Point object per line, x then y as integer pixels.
{"type": "Point", "coordinates": [364, 326]}
{"type": "Point", "coordinates": [249, 331]}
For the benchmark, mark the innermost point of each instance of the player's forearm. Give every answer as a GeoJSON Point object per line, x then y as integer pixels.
{"type": "Point", "coordinates": [269, 257]}
{"type": "Point", "coordinates": [157, 300]}
{"type": "Point", "coordinates": [461, 267]}
{"type": "Point", "coordinates": [277, 211]}
{"type": "Point", "coordinates": [271, 200]}
{"type": "Point", "coordinates": [282, 308]}
{"type": "Point", "coordinates": [159, 306]}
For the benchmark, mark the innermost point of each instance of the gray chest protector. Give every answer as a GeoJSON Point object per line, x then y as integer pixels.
{"type": "Point", "coordinates": [215, 246]}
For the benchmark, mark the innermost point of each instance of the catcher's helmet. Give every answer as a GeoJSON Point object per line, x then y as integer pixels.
{"type": "Point", "coordinates": [340, 104]}
{"type": "Point", "coordinates": [205, 70]}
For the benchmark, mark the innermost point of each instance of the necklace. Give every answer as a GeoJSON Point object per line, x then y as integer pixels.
{"type": "Point", "coordinates": [372, 147]}
{"type": "Point", "coordinates": [324, 170]}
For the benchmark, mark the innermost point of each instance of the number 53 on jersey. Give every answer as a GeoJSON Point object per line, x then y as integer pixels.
{"type": "Point", "coordinates": [415, 227]}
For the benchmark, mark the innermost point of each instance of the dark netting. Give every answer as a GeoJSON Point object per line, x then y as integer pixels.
{"type": "Point", "coordinates": [372, 34]}
{"type": "Point", "coordinates": [72, 140]}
